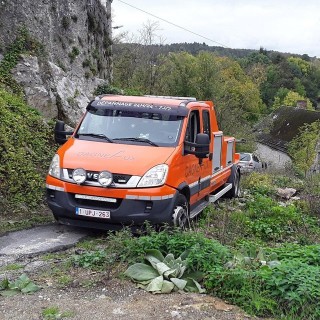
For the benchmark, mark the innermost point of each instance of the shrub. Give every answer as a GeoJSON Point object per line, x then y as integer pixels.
{"type": "Point", "coordinates": [296, 287]}
{"type": "Point", "coordinates": [26, 150]}
{"type": "Point", "coordinates": [105, 88]}
{"type": "Point", "coordinates": [258, 183]}
{"type": "Point", "coordinates": [271, 221]}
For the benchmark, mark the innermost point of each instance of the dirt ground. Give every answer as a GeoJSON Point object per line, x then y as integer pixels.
{"type": "Point", "coordinates": [87, 295]}
{"type": "Point", "coordinates": [117, 300]}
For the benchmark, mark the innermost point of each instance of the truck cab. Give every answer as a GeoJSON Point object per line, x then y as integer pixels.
{"type": "Point", "coordinates": [134, 159]}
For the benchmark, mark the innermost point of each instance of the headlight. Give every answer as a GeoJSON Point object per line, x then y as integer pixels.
{"type": "Point", "coordinates": [54, 169]}
{"type": "Point", "coordinates": [105, 178]}
{"type": "Point", "coordinates": [79, 175]}
{"type": "Point", "coordinates": [156, 176]}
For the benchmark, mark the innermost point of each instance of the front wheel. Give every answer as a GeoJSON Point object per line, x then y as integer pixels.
{"type": "Point", "coordinates": [180, 215]}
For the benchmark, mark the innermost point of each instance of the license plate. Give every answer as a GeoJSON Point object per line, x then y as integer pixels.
{"type": "Point", "coordinates": [93, 213]}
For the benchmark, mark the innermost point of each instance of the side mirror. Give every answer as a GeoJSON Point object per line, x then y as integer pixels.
{"type": "Point", "coordinates": [200, 148]}
{"type": "Point", "coordinates": [60, 135]}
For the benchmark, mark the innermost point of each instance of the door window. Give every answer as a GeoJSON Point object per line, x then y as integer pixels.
{"type": "Point", "coordinates": [193, 127]}
{"type": "Point", "coordinates": [206, 123]}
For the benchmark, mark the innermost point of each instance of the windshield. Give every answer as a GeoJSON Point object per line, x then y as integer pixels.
{"type": "Point", "coordinates": [130, 127]}
{"type": "Point", "coordinates": [245, 157]}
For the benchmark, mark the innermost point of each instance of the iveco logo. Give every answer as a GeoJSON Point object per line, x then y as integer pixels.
{"type": "Point", "coordinates": [92, 176]}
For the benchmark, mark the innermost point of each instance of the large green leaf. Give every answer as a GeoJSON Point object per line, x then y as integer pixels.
{"type": "Point", "coordinates": [170, 273]}
{"type": "Point", "coordinates": [153, 261]}
{"type": "Point", "coordinates": [181, 271]}
{"type": "Point", "coordinates": [193, 286]}
{"type": "Point", "coordinates": [9, 293]}
{"type": "Point", "coordinates": [141, 272]}
{"type": "Point", "coordinates": [162, 268]}
{"type": "Point", "coordinates": [167, 286]}
{"type": "Point", "coordinates": [155, 285]}
{"type": "Point", "coordinates": [20, 283]}
{"type": "Point", "coordinates": [195, 275]}
{"type": "Point", "coordinates": [169, 259]}
{"type": "Point", "coordinates": [179, 283]}
{"type": "Point", "coordinates": [30, 288]}
{"type": "Point", "coordinates": [155, 253]}
{"type": "Point", "coordinates": [184, 255]}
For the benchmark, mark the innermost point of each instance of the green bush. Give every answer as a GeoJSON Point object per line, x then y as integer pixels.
{"type": "Point", "coordinates": [258, 182]}
{"type": "Point", "coordinates": [26, 149]}
{"type": "Point", "coordinates": [309, 254]}
{"type": "Point", "coordinates": [105, 88]}
{"type": "Point", "coordinates": [296, 287]}
{"type": "Point", "coordinates": [271, 221]}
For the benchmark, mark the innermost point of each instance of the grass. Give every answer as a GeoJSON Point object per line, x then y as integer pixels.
{"type": "Point", "coordinates": [257, 252]}
{"type": "Point", "coordinates": [26, 220]}
{"type": "Point", "coordinates": [12, 267]}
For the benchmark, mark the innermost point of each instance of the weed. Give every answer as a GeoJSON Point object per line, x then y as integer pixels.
{"type": "Point", "coordinates": [64, 280]}
{"type": "Point", "coordinates": [53, 313]}
{"type": "Point", "coordinates": [164, 274]}
{"type": "Point", "coordinates": [73, 54]}
{"type": "Point", "coordinates": [12, 267]}
{"type": "Point", "coordinates": [23, 284]}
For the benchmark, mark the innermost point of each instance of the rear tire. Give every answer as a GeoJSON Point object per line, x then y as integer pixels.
{"type": "Point", "coordinates": [234, 179]}
{"type": "Point", "coordinates": [180, 214]}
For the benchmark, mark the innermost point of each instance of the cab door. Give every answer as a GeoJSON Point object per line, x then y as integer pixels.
{"type": "Point", "coordinates": [206, 163]}
{"type": "Point", "coordinates": [198, 172]}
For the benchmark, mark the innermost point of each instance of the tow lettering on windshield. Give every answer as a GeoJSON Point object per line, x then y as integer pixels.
{"type": "Point", "coordinates": [131, 104]}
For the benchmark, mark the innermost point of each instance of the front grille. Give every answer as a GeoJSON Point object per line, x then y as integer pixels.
{"type": "Point", "coordinates": [95, 204]}
{"type": "Point", "coordinates": [92, 176]}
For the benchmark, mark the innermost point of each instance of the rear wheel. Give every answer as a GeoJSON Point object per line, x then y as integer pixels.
{"type": "Point", "coordinates": [180, 215]}
{"type": "Point", "coordinates": [234, 179]}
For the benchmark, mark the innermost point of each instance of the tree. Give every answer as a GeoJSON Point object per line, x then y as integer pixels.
{"type": "Point", "coordinates": [302, 148]}
{"type": "Point", "coordinates": [303, 65]}
{"type": "Point", "coordinates": [136, 62]}
{"type": "Point", "coordinates": [293, 97]}
{"type": "Point", "coordinates": [177, 75]}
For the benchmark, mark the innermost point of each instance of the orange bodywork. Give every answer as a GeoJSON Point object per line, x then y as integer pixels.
{"type": "Point", "coordinates": [198, 179]}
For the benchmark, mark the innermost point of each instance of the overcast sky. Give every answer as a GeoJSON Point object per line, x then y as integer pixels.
{"type": "Point", "coordinates": [282, 25]}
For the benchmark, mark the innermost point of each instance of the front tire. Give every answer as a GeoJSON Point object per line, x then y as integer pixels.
{"type": "Point", "coordinates": [180, 214]}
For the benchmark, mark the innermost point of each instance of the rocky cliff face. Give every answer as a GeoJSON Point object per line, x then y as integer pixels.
{"type": "Point", "coordinates": [76, 35]}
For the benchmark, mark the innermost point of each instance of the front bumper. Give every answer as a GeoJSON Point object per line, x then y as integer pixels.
{"type": "Point", "coordinates": [130, 210]}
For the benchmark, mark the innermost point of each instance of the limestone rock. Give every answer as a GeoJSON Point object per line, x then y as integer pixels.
{"type": "Point", "coordinates": [75, 56]}
{"type": "Point", "coordinates": [286, 193]}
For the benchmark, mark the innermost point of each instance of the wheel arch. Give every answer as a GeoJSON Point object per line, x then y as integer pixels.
{"type": "Point", "coordinates": [184, 189]}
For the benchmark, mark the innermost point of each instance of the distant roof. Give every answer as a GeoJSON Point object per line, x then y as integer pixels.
{"type": "Point", "coordinates": [280, 127]}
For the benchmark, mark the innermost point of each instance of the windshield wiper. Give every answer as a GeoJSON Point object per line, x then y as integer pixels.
{"type": "Point", "coordinates": [138, 139]}
{"type": "Point", "coordinates": [96, 135]}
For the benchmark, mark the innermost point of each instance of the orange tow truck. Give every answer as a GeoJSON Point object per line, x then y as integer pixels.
{"type": "Point", "coordinates": [133, 159]}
